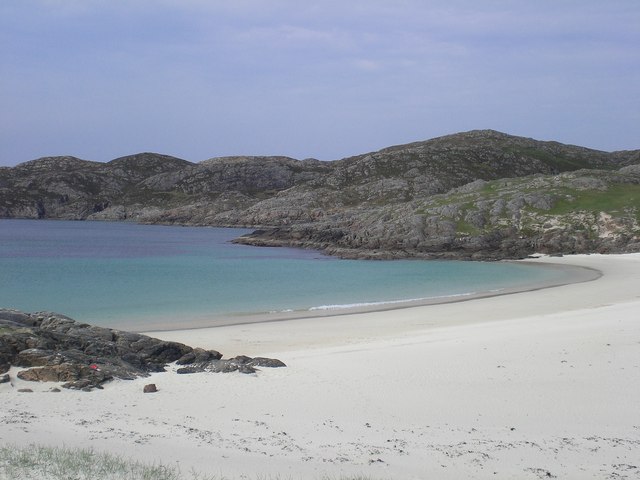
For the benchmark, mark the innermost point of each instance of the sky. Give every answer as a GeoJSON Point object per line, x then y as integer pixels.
{"type": "Point", "coordinates": [100, 79]}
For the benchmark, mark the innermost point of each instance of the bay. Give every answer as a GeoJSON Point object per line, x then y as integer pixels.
{"type": "Point", "coordinates": [134, 276]}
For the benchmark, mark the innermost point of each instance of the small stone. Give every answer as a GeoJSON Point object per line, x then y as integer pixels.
{"type": "Point", "coordinates": [5, 378]}
{"type": "Point", "coordinates": [55, 390]}
{"type": "Point", "coordinates": [25, 390]}
{"type": "Point", "coordinates": [150, 388]}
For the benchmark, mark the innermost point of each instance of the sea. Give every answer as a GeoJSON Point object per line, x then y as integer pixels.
{"type": "Point", "coordinates": [126, 275]}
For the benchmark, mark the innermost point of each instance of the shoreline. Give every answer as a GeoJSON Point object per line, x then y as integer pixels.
{"type": "Point", "coordinates": [267, 337]}
{"type": "Point", "coordinates": [575, 274]}
{"type": "Point", "coordinates": [536, 384]}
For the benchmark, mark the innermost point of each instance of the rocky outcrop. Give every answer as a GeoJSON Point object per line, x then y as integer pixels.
{"type": "Point", "coordinates": [242, 364]}
{"type": "Point", "coordinates": [456, 196]}
{"type": "Point", "coordinates": [54, 348]}
{"type": "Point", "coordinates": [572, 212]}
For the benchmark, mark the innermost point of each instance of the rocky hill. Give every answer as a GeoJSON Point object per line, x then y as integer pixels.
{"type": "Point", "coordinates": [479, 194]}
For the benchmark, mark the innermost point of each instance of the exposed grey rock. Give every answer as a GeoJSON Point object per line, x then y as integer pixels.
{"type": "Point", "coordinates": [199, 355]}
{"type": "Point", "coordinates": [150, 388]}
{"type": "Point", "coordinates": [76, 376]}
{"type": "Point", "coordinates": [471, 187]}
{"type": "Point", "coordinates": [36, 357]}
{"type": "Point", "coordinates": [539, 200]}
{"type": "Point", "coordinates": [631, 169]}
{"type": "Point", "coordinates": [449, 197]}
{"type": "Point", "coordinates": [266, 362]}
{"type": "Point", "coordinates": [55, 348]}
{"type": "Point", "coordinates": [187, 370]}
{"type": "Point", "coordinates": [241, 360]}
{"type": "Point", "coordinates": [15, 318]}
{"type": "Point", "coordinates": [241, 363]}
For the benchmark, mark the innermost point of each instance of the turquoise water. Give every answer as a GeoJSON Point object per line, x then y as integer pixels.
{"type": "Point", "coordinates": [128, 275]}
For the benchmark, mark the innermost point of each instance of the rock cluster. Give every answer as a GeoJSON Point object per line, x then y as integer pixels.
{"type": "Point", "coordinates": [241, 363]}
{"type": "Point", "coordinates": [56, 348]}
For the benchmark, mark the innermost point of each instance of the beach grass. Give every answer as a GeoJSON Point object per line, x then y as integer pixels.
{"type": "Point", "coordinates": [53, 463]}
{"type": "Point", "coordinates": [39, 462]}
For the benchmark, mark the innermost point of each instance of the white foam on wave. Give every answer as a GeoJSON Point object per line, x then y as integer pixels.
{"type": "Point", "coordinates": [387, 302]}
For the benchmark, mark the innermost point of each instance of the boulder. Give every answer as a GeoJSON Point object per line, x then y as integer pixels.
{"type": "Point", "coordinates": [76, 376]}
{"type": "Point", "coordinates": [15, 318]}
{"type": "Point", "coordinates": [150, 388]}
{"type": "Point", "coordinates": [266, 362]}
{"type": "Point", "coordinates": [37, 357]}
{"type": "Point", "coordinates": [241, 360]}
{"type": "Point", "coordinates": [199, 355]}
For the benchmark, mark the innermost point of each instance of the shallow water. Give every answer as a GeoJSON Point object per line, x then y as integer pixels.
{"type": "Point", "coordinates": [129, 275]}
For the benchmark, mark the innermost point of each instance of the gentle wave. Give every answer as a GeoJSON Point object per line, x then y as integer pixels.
{"type": "Point", "coordinates": [388, 302]}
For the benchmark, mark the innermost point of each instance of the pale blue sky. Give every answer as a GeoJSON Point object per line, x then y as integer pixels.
{"type": "Point", "coordinates": [327, 79]}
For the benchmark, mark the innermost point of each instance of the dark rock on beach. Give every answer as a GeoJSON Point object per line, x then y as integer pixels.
{"type": "Point", "coordinates": [241, 363]}
{"type": "Point", "coordinates": [267, 362]}
{"type": "Point", "coordinates": [150, 388]}
{"type": "Point", "coordinates": [75, 376]}
{"type": "Point", "coordinates": [56, 348]}
{"type": "Point", "coordinates": [198, 355]}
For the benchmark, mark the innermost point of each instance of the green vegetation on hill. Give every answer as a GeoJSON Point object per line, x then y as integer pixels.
{"type": "Point", "coordinates": [616, 200]}
{"type": "Point", "coordinates": [478, 194]}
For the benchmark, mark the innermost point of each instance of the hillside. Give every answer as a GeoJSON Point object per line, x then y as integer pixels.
{"type": "Point", "coordinates": [479, 194]}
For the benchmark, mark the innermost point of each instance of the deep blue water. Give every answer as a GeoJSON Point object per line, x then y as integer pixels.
{"type": "Point", "coordinates": [128, 275]}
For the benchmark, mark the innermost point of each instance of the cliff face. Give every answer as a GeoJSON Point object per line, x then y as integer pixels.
{"type": "Point", "coordinates": [480, 194]}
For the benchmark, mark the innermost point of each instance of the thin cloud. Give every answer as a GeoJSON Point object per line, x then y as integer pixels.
{"type": "Point", "coordinates": [198, 78]}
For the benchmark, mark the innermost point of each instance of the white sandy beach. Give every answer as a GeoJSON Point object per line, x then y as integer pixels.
{"type": "Point", "coordinates": [538, 384]}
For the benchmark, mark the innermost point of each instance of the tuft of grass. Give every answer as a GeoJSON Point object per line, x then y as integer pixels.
{"type": "Point", "coordinates": [465, 228]}
{"type": "Point", "coordinates": [38, 462]}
